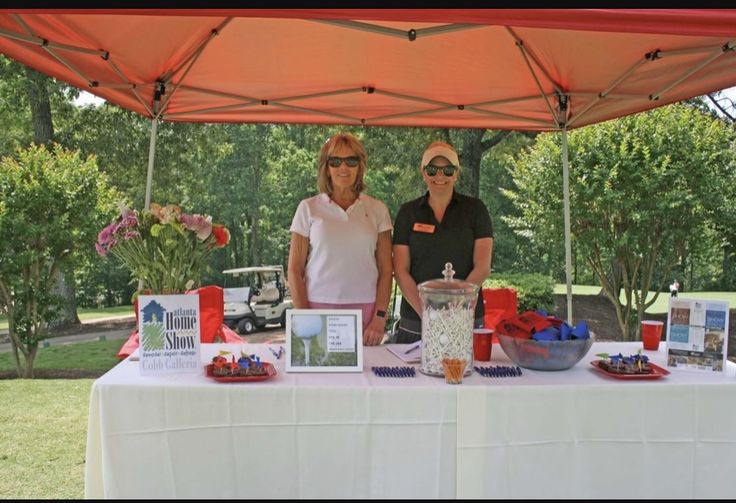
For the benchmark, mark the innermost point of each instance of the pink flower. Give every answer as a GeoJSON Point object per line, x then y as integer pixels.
{"type": "Point", "coordinates": [199, 224]}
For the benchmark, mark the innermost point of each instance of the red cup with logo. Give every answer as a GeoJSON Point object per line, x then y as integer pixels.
{"type": "Point", "coordinates": [651, 334]}
{"type": "Point", "coordinates": [482, 339]}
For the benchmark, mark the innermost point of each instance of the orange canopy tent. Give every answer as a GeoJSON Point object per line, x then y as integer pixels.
{"type": "Point", "coordinates": [525, 69]}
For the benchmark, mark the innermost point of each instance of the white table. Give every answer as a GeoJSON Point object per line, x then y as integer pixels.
{"type": "Point", "coordinates": [573, 433]}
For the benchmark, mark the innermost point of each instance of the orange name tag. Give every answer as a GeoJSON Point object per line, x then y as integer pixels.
{"type": "Point", "coordinates": [428, 228]}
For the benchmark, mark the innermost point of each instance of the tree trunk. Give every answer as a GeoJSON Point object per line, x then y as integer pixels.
{"type": "Point", "coordinates": [38, 98]}
{"type": "Point", "coordinates": [728, 277]}
{"type": "Point", "coordinates": [471, 151]}
{"type": "Point", "coordinates": [255, 253]}
{"type": "Point", "coordinates": [43, 134]}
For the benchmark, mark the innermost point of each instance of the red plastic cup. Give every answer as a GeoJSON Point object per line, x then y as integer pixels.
{"type": "Point", "coordinates": [651, 334]}
{"type": "Point", "coordinates": [482, 338]}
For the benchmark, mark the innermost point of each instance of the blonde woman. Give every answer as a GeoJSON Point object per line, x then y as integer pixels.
{"type": "Point", "coordinates": [340, 256]}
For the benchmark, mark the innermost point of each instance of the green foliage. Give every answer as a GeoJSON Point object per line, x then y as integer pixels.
{"type": "Point", "coordinates": [642, 188]}
{"type": "Point", "coordinates": [533, 291]}
{"type": "Point", "coordinates": [51, 205]}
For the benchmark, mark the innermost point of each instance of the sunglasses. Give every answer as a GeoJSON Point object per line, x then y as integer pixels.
{"type": "Point", "coordinates": [335, 162]}
{"type": "Point", "coordinates": [432, 170]}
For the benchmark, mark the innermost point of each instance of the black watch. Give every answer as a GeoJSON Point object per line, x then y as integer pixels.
{"type": "Point", "coordinates": [381, 314]}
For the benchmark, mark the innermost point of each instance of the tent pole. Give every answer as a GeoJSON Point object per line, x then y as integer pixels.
{"type": "Point", "coordinates": [151, 155]}
{"type": "Point", "coordinates": [568, 246]}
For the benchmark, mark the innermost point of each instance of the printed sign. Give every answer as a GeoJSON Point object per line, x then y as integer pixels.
{"type": "Point", "coordinates": [697, 334]}
{"type": "Point", "coordinates": [324, 340]}
{"type": "Point", "coordinates": [168, 327]}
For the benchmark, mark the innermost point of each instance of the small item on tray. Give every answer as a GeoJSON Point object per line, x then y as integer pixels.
{"type": "Point", "coordinates": [620, 364]}
{"type": "Point", "coordinates": [245, 366]}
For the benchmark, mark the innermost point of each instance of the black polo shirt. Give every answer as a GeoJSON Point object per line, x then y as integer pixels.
{"type": "Point", "coordinates": [432, 244]}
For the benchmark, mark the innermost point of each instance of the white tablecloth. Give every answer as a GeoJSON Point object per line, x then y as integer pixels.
{"type": "Point", "coordinates": [573, 433]}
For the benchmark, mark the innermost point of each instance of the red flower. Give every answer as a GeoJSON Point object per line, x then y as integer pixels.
{"type": "Point", "coordinates": [222, 235]}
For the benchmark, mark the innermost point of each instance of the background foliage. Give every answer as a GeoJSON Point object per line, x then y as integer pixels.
{"type": "Point", "coordinates": [673, 166]}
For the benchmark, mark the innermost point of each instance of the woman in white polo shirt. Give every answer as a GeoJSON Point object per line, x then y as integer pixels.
{"type": "Point", "coordinates": [340, 255]}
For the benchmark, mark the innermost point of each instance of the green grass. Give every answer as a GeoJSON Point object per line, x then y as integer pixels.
{"type": "Point", "coordinates": [43, 438]}
{"type": "Point", "coordinates": [660, 305]}
{"type": "Point", "coordinates": [44, 423]}
{"type": "Point", "coordinates": [86, 314]}
{"type": "Point", "coordinates": [93, 355]}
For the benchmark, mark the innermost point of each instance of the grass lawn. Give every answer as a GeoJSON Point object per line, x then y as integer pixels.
{"type": "Point", "coordinates": [44, 423]}
{"type": "Point", "coordinates": [87, 314]}
{"type": "Point", "coordinates": [93, 355]}
{"type": "Point", "coordinates": [660, 305]}
{"type": "Point", "coordinates": [43, 438]}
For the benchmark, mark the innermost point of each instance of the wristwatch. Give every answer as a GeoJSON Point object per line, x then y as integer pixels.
{"type": "Point", "coordinates": [381, 314]}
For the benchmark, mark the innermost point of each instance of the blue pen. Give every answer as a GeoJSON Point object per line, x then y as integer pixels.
{"type": "Point", "coordinates": [274, 352]}
{"type": "Point", "coordinates": [416, 346]}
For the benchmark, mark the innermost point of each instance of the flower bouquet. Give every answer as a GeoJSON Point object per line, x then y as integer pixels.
{"type": "Point", "coordinates": [162, 247]}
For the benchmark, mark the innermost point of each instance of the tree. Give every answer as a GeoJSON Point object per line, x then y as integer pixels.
{"type": "Point", "coordinates": [52, 203]}
{"type": "Point", "coordinates": [641, 187]}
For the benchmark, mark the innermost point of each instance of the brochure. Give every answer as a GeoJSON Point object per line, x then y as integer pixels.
{"type": "Point", "coordinates": [697, 334]}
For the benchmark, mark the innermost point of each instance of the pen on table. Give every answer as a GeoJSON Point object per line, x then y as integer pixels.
{"type": "Point", "coordinates": [277, 355]}
{"type": "Point", "coordinates": [415, 346]}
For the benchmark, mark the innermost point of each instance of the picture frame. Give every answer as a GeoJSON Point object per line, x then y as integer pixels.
{"type": "Point", "coordinates": [697, 334]}
{"type": "Point", "coordinates": [324, 340]}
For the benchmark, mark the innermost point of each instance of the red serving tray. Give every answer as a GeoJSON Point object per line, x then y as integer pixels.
{"type": "Point", "coordinates": [270, 372]}
{"type": "Point", "coordinates": [657, 372]}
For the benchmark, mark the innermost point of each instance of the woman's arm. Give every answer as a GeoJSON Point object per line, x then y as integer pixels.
{"type": "Point", "coordinates": [374, 332]}
{"type": "Point", "coordinates": [482, 254]}
{"type": "Point", "coordinates": [402, 265]}
{"type": "Point", "coordinates": [297, 265]}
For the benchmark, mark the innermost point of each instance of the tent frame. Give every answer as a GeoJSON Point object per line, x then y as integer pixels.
{"type": "Point", "coordinates": [559, 111]}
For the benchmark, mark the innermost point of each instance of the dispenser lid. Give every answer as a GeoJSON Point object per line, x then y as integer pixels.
{"type": "Point", "coordinates": [448, 284]}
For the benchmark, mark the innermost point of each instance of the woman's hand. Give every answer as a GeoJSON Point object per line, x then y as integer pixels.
{"type": "Point", "coordinates": [373, 334]}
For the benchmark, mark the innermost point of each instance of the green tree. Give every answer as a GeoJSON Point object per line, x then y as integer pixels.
{"type": "Point", "coordinates": [641, 187]}
{"type": "Point", "coordinates": [52, 203]}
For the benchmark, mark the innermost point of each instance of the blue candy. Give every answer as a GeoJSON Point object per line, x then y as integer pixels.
{"type": "Point", "coordinates": [581, 331]}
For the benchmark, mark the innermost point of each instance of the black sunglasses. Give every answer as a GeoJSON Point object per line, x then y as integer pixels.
{"type": "Point", "coordinates": [335, 162]}
{"type": "Point", "coordinates": [432, 170]}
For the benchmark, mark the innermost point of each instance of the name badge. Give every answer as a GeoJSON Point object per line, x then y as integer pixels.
{"type": "Point", "coordinates": [428, 228]}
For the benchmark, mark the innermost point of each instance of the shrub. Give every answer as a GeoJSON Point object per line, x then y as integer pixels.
{"type": "Point", "coordinates": [533, 291]}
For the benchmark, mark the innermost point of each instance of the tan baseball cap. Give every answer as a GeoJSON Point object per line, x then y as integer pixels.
{"type": "Point", "coordinates": [440, 148]}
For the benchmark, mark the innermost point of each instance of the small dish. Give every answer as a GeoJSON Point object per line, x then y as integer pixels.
{"type": "Point", "coordinates": [270, 372]}
{"type": "Point", "coordinates": [656, 373]}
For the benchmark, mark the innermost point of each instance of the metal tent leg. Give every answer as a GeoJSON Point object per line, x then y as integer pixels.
{"type": "Point", "coordinates": [568, 246]}
{"type": "Point", "coordinates": [151, 155]}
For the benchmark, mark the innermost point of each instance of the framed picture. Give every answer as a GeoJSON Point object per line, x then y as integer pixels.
{"type": "Point", "coordinates": [697, 334]}
{"type": "Point", "coordinates": [324, 340]}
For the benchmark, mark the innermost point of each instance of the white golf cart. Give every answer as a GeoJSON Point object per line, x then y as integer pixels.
{"type": "Point", "coordinates": [255, 297]}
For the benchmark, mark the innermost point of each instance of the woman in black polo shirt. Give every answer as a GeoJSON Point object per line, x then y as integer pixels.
{"type": "Point", "coordinates": [441, 226]}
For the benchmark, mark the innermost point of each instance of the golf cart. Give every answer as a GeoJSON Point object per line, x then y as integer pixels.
{"type": "Point", "coordinates": [255, 297]}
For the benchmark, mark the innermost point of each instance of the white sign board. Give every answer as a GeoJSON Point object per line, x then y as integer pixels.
{"type": "Point", "coordinates": [169, 331]}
